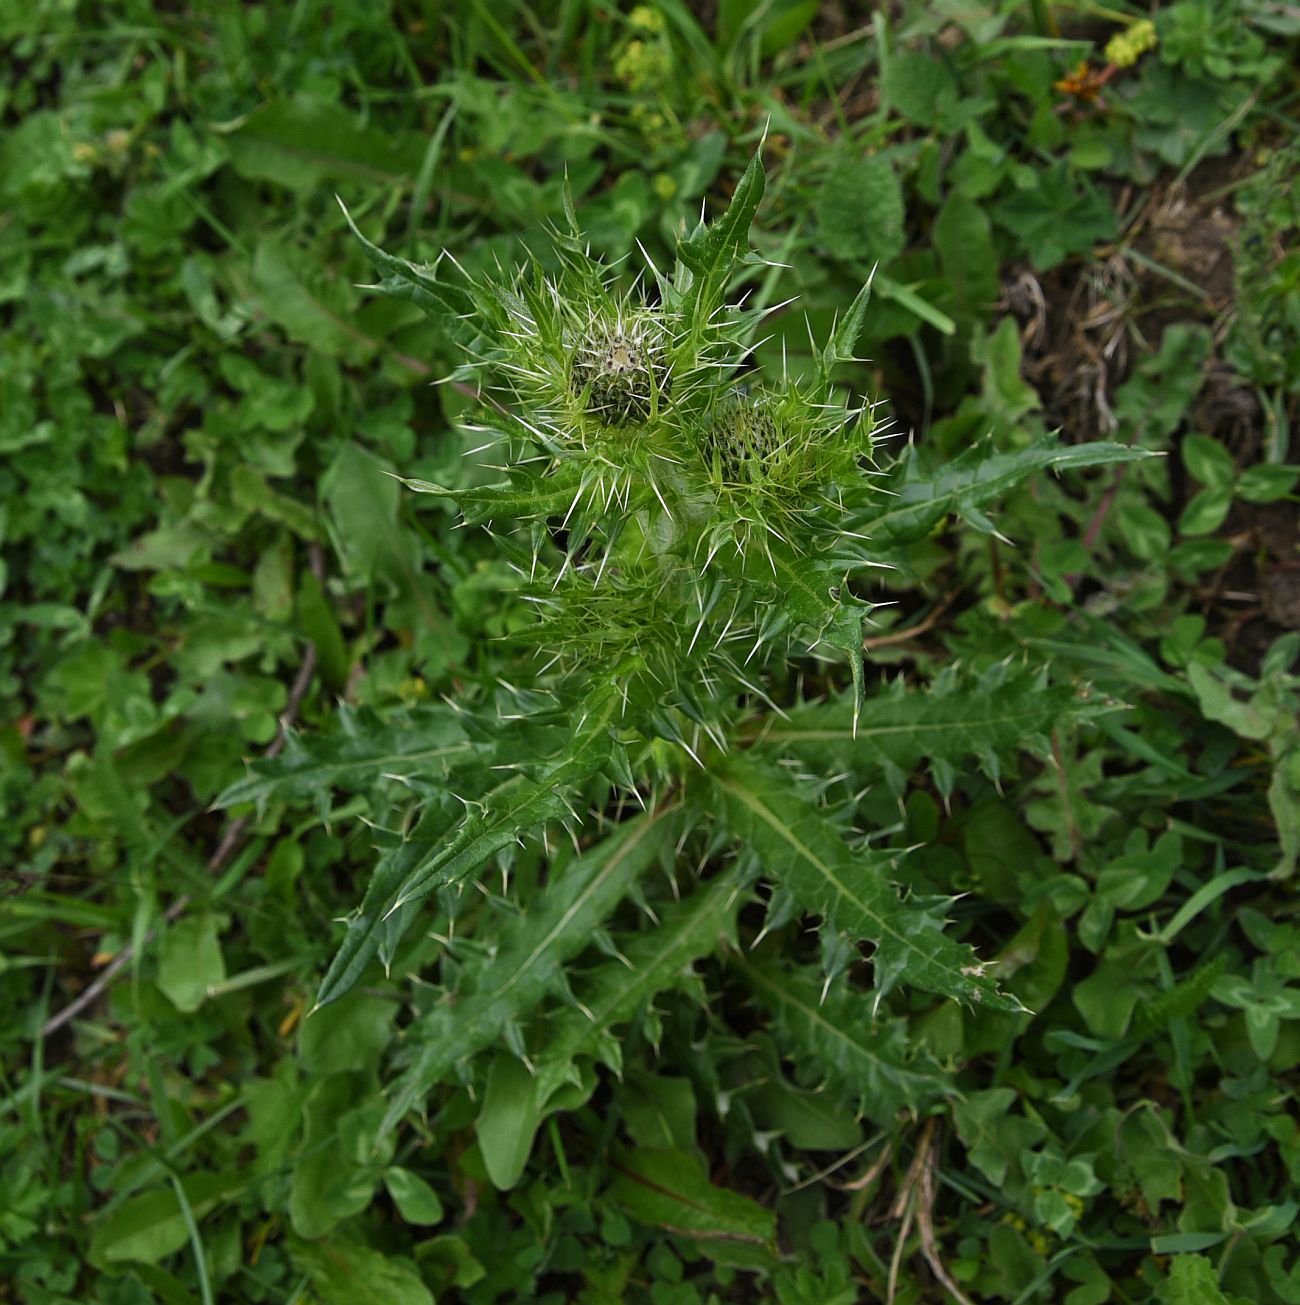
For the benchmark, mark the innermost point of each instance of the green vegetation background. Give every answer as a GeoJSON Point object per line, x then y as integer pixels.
{"type": "Point", "coordinates": [198, 409]}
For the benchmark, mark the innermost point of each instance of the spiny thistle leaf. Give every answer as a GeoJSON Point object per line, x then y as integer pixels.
{"type": "Point", "coordinates": [970, 482]}
{"type": "Point", "coordinates": [803, 853]}
{"type": "Point", "coordinates": [450, 305]}
{"type": "Point", "coordinates": [424, 743]}
{"type": "Point", "coordinates": [652, 962]}
{"type": "Point", "coordinates": [959, 718]}
{"type": "Point", "coordinates": [527, 964]}
{"type": "Point", "coordinates": [862, 1058]}
{"type": "Point", "coordinates": [708, 257]}
{"type": "Point", "coordinates": [434, 855]}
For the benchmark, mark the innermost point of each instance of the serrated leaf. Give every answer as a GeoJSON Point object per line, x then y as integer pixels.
{"type": "Point", "coordinates": [848, 330]}
{"type": "Point", "coordinates": [903, 728]}
{"type": "Point", "coordinates": [520, 804]}
{"type": "Point", "coordinates": [651, 962]}
{"type": "Point", "coordinates": [973, 480]}
{"type": "Point", "coordinates": [425, 743]}
{"type": "Point", "coordinates": [815, 596]}
{"type": "Point", "coordinates": [447, 304]}
{"type": "Point", "coordinates": [863, 1059]}
{"type": "Point", "coordinates": [508, 500]}
{"type": "Point", "coordinates": [527, 966]}
{"type": "Point", "coordinates": [805, 854]}
{"type": "Point", "coordinates": [366, 932]}
{"type": "Point", "coordinates": [1155, 1014]}
{"type": "Point", "coordinates": [710, 253]}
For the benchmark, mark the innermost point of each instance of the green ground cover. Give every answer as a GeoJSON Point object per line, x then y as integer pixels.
{"type": "Point", "coordinates": [251, 679]}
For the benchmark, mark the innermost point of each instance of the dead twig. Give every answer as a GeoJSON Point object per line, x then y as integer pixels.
{"type": "Point", "coordinates": [915, 1204]}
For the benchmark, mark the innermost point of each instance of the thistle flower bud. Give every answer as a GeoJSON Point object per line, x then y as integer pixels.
{"type": "Point", "coordinates": [620, 370]}
{"type": "Point", "coordinates": [743, 437]}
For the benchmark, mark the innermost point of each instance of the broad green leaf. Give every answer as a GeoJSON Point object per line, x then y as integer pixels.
{"type": "Point", "coordinates": [864, 1060]}
{"type": "Point", "coordinates": [348, 1273]}
{"type": "Point", "coordinates": [424, 743]}
{"type": "Point", "coordinates": [303, 142]}
{"type": "Point", "coordinates": [149, 1227]}
{"type": "Point", "coordinates": [507, 1121]}
{"type": "Point", "coordinates": [363, 501]}
{"type": "Point", "coordinates": [312, 308]}
{"type": "Point", "coordinates": [416, 1201]}
{"type": "Point", "coordinates": [190, 963]}
{"type": "Point", "coordinates": [669, 1189]}
{"type": "Point", "coordinates": [963, 239]}
{"type": "Point", "coordinates": [860, 210]}
{"type": "Point", "coordinates": [806, 855]}
{"type": "Point", "coordinates": [527, 966]}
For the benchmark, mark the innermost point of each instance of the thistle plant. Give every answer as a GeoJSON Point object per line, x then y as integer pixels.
{"type": "Point", "coordinates": [694, 541]}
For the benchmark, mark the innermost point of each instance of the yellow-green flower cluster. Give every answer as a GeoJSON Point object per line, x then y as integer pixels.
{"type": "Point", "coordinates": [645, 59]}
{"type": "Point", "coordinates": [1125, 48]}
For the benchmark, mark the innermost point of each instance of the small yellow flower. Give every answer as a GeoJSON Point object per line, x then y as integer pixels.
{"type": "Point", "coordinates": [645, 18]}
{"type": "Point", "coordinates": [1124, 49]}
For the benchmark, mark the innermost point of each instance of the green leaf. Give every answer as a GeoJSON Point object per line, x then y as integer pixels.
{"type": "Point", "coordinates": [846, 333]}
{"type": "Point", "coordinates": [426, 743]}
{"type": "Point", "coordinates": [1208, 461]}
{"type": "Point", "coordinates": [806, 855]}
{"type": "Point", "coordinates": [508, 500]}
{"type": "Point", "coordinates": [963, 239]}
{"type": "Point", "coordinates": [669, 1190]}
{"type": "Point", "coordinates": [347, 1273]}
{"type": "Point", "coordinates": [860, 210]}
{"type": "Point", "coordinates": [363, 501]}
{"type": "Point", "coordinates": [816, 597]}
{"type": "Point", "coordinates": [302, 142]}
{"type": "Point", "coordinates": [527, 965]}
{"type": "Point", "coordinates": [313, 309]}
{"type": "Point", "coordinates": [190, 963]}
{"type": "Point", "coordinates": [416, 1201]}
{"type": "Point", "coordinates": [507, 1121]}
{"type": "Point", "coordinates": [1192, 1280]}
{"type": "Point", "coordinates": [971, 481]}
{"type": "Point", "coordinates": [651, 962]}
{"type": "Point", "coordinates": [710, 254]}
{"type": "Point", "coordinates": [1206, 511]}
{"type": "Point", "coordinates": [318, 623]}
{"type": "Point", "coordinates": [446, 303]}
{"type": "Point", "coordinates": [836, 1035]}
{"type": "Point", "coordinates": [900, 729]}
{"type": "Point", "coordinates": [149, 1227]}
{"type": "Point", "coordinates": [918, 87]}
